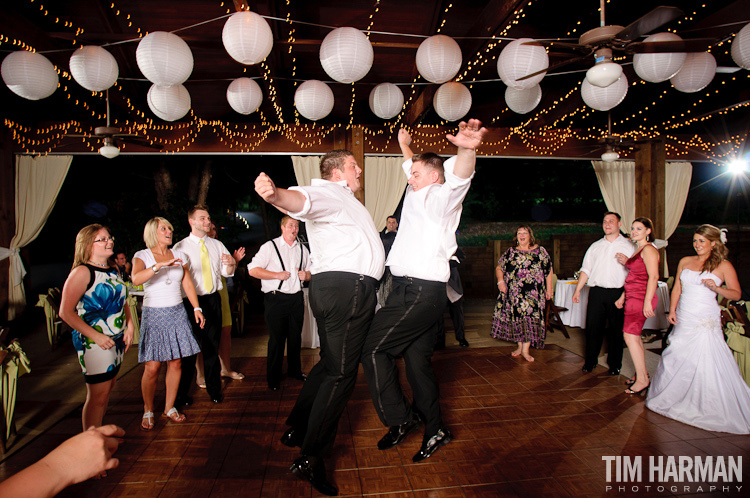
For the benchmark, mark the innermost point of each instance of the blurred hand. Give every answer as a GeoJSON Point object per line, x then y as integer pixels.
{"type": "Point", "coordinates": [621, 258]}
{"type": "Point", "coordinates": [469, 134]}
{"type": "Point", "coordinates": [103, 341]}
{"type": "Point", "coordinates": [239, 254]}
{"type": "Point", "coordinates": [672, 318]}
{"type": "Point", "coordinates": [265, 188]}
{"type": "Point", "coordinates": [283, 275]}
{"type": "Point", "coordinates": [199, 318]}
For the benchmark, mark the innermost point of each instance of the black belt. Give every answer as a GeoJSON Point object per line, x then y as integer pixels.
{"type": "Point", "coordinates": [412, 280]}
{"type": "Point", "coordinates": [347, 274]}
{"type": "Point", "coordinates": [277, 292]}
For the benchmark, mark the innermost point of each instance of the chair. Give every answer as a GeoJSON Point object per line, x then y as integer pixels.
{"type": "Point", "coordinates": [552, 313]}
{"type": "Point", "coordinates": [132, 303]}
{"type": "Point", "coordinates": [51, 304]}
{"type": "Point", "coordinates": [13, 364]}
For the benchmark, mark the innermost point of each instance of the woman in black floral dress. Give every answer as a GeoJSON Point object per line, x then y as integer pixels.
{"type": "Point", "coordinates": [524, 279]}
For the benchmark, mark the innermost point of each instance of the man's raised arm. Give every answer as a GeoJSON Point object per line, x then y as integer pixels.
{"type": "Point", "coordinates": [286, 201]}
{"type": "Point", "coordinates": [404, 141]}
{"type": "Point", "coordinates": [468, 138]}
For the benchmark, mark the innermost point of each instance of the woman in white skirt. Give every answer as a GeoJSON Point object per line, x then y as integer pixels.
{"type": "Point", "coordinates": [166, 333]}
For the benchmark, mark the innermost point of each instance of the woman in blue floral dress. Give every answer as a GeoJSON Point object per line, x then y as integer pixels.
{"type": "Point", "coordinates": [524, 279]}
{"type": "Point", "coordinates": [93, 304]}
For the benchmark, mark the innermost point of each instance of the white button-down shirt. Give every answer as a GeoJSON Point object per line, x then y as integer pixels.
{"type": "Point", "coordinates": [341, 231]}
{"type": "Point", "coordinates": [600, 264]}
{"type": "Point", "coordinates": [189, 246]}
{"type": "Point", "coordinates": [426, 237]}
{"type": "Point", "coordinates": [268, 259]}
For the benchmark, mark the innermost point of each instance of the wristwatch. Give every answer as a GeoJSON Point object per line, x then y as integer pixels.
{"type": "Point", "coordinates": [153, 268]}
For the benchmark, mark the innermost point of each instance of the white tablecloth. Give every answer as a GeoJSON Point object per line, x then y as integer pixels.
{"type": "Point", "coordinates": [576, 314]}
{"type": "Point", "coordinates": [310, 338]}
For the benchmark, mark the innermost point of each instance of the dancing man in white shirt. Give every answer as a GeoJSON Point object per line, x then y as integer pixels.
{"type": "Point", "coordinates": [345, 271]}
{"type": "Point", "coordinates": [418, 260]}
{"type": "Point", "coordinates": [282, 264]}
{"type": "Point", "coordinates": [606, 278]}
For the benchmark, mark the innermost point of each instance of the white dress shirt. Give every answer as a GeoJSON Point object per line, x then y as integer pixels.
{"type": "Point", "coordinates": [426, 237]}
{"type": "Point", "coordinates": [341, 231]}
{"type": "Point", "coordinates": [267, 259]}
{"type": "Point", "coordinates": [189, 246]}
{"type": "Point", "coordinates": [600, 264]}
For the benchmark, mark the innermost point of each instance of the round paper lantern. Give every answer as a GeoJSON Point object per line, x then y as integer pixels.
{"type": "Point", "coordinates": [247, 37]}
{"type": "Point", "coordinates": [517, 60]}
{"type": "Point", "coordinates": [662, 66]}
{"type": "Point", "coordinates": [170, 103]}
{"type": "Point", "coordinates": [452, 101]}
{"type": "Point", "coordinates": [741, 47]}
{"type": "Point", "coordinates": [604, 98]}
{"type": "Point", "coordinates": [94, 68]}
{"type": "Point", "coordinates": [386, 100]}
{"type": "Point", "coordinates": [696, 73]}
{"type": "Point", "coordinates": [29, 75]}
{"type": "Point", "coordinates": [523, 100]}
{"type": "Point", "coordinates": [244, 95]}
{"type": "Point", "coordinates": [164, 58]}
{"type": "Point", "coordinates": [346, 55]}
{"type": "Point", "coordinates": [438, 58]}
{"type": "Point", "coordinates": [314, 100]}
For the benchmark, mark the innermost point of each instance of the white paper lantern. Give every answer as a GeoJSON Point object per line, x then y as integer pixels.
{"type": "Point", "coordinates": [94, 68]}
{"type": "Point", "coordinates": [29, 75]}
{"type": "Point", "coordinates": [346, 55]}
{"type": "Point", "coordinates": [741, 47]}
{"type": "Point", "coordinates": [314, 100]}
{"type": "Point", "coordinates": [518, 60]}
{"type": "Point", "coordinates": [696, 73]}
{"type": "Point", "coordinates": [169, 103]}
{"type": "Point", "coordinates": [523, 100]}
{"type": "Point", "coordinates": [244, 95]}
{"type": "Point", "coordinates": [247, 37]}
{"type": "Point", "coordinates": [452, 101]}
{"type": "Point", "coordinates": [164, 58]}
{"type": "Point", "coordinates": [439, 58]}
{"type": "Point", "coordinates": [386, 100]}
{"type": "Point", "coordinates": [656, 68]}
{"type": "Point", "coordinates": [604, 98]}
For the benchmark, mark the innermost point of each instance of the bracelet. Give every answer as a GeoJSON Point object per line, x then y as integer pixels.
{"type": "Point", "coordinates": [499, 282]}
{"type": "Point", "coordinates": [153, 268]}
{"type": "Point", "coordinates": [197, 309]}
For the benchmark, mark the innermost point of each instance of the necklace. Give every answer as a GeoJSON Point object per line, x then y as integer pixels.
{"type": "Point", "coordinates": [168, 281]}
{"type": "Point", "coordinates": [97, 264]}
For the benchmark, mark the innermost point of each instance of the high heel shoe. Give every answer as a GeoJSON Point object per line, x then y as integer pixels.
{"type": "Point", "coordinates": [642, 391]}
{"type": "Point", "coordinates": [630, 382]}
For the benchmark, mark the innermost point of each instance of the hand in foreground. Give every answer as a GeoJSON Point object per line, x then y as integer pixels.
{"type": "Point", "coordinates": [709, 283]}
{"type": "Point", "coordinates": [129, 336]}
{"type": "Point", "coordinates": [403, 137]}
{"type": "Point", "coordinates": [85, 455]}
{"type": "Point", "coordinates": [228, 260]}
{"type": "Point", "coordinates": [621, 258]}
{"type": "Point", "coordinates": [265, 188]}
{"type": "Point", "coordinates": [648, 310]}
{"type": "Point", "coordinates": [103, 341]}
{"type": "Point", "coordinates": [283, 275]}
{"type": "Point", "coordinates": [576, 297]}
{"type": "Point", "coordinates": [469, 134]}
{"type": "Point", "coordinates": [620, 302]}
{"type": "Point", "coordinates": [199, 318]}
{"type": "Point", "coordinates": [239, 254]}
{"type": "Point", "coordinates": [302, 274]}
{"type": "Point", "coordinates": [672, 318]}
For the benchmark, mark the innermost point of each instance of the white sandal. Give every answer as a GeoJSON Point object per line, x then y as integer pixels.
{"type": "Point", "coordinates": [174, 415]}
{"type": "Point", "coordinates": [149, 418]}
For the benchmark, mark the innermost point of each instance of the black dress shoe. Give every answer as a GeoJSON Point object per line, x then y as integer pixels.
{"type": "Point", "coordinates": [614, 371]}
{"type": "Point", "coordinates": [312, 469]}
{"type": "Point", "coordinates": [587, 369]}
{"type": "Point", "coordinates": [463, 343]}
{"type": "Point", "coordinates": [183, 401]}
{"type": "Point", "coordinates": [430, 446]}
{"type": "Point", "coordinates": [299, 376]}
{"type": "Point", "coordinates": [398, 433]}
{"type": "Point", "coordinates": [292, 438]}
{"type": "Point", "coordinates": [218, 398]}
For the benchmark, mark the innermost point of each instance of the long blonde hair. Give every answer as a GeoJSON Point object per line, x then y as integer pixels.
{"type": "Point", "coordinates": [719, 251]}
{"type": "Point", "coordinates": [84, 242]}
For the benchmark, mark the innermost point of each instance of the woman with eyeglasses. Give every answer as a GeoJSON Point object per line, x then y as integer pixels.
{"type": "Point", "coordinates": [166, 333]}
{"type": "Point", "coordinates": [93, 304]}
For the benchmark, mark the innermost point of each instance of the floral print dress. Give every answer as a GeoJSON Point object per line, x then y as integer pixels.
{"type": "Point", "coordinates": [103, 308]}
{"type": "Point", "coordinates": [519, 314]}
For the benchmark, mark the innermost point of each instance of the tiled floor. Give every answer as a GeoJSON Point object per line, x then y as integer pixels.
{"type": "Point", "coordinates": [520, 429]}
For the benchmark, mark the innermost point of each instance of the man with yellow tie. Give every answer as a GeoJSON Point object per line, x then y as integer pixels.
{"type": "Point", "coordinates": [208, 260]}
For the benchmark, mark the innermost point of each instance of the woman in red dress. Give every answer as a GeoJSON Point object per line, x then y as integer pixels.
{"type": "Point", "coordinates": [639, 297]}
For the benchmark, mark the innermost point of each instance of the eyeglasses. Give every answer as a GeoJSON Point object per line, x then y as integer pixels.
{"type": "Point", "coordinates": [106, 239]}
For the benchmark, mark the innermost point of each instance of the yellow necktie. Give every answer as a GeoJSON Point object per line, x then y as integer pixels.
{"type": "Point", "coordinates": [208, 280]}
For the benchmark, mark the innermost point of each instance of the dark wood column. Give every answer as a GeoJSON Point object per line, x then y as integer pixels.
{"type": "Point", "coordinates": [7, 213]}
{"type": "Point", "coordinates": [650, 175]}
{"type": "Point", "coordinates": [352, 139]}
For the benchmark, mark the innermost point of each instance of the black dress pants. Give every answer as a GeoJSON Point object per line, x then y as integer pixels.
{"type": "Point", "coordinates": [285, 314]}
{"type": "Point", "coordinates": [208, 337]}
{"type": "Point", "coordinates": [405, 326]}
{"type": "Point", "coordinates": [456, 311]}
{"type": "Point", "coordinates": [343, 305]}
{"type": "Point", "coordinates": [603, 318]}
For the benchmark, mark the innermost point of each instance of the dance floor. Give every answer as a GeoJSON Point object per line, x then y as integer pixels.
{"type": "Point", "coordinates": [520, 429]}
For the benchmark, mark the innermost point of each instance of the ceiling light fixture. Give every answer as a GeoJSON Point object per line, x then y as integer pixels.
{"type": "Point", "coordinates": [610, 155]}
{"type": "Point", "coordinates": [605, 72]}
{"type": "Point", "coordinates": [109, 150]}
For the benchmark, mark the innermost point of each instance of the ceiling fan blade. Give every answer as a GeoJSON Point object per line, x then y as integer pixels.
{"type": "Point", "coordinates": [551, 44]}
{"type": "Point", "coordinates": [557, 66]}
{"type": "Point", "coordinates": [660, 16]}
{"type": "Point", "coordinates": [136, 140]}
{"type": "Point", "coordinates": [727, 69]}
{"type": "Point", "coordinates": [693, 45]}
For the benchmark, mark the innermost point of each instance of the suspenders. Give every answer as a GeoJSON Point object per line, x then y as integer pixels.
{"type": "Point", "coordinates": [301, 256]}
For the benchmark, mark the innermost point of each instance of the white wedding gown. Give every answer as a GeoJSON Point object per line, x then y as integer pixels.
{"type": "Point", "coordinates": [698, 381]}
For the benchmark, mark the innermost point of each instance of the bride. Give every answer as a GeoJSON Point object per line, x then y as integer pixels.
{"type": "Point", "coordinates": [697, 381]}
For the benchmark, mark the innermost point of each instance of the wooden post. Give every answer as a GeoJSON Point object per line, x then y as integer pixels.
{"type": "Point", "coordinates": [7, 213]}
{"type": "Point", "coordinates": [556, 254]}
{"type": "Point", "coordinates": [352, 139]}
{"type": "Point", "coordinates": [650, 184]}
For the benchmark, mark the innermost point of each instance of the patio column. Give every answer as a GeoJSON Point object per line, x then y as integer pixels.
{"type": "Point", "coordinates": [352, 139]}
{"type": "Point", "coordinates": [7, 212]}
{"type": "Point", "coordinates": [650, 173]}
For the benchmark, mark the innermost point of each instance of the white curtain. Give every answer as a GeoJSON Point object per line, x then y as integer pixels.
{"type": "Point", "coordinates": [677, 180]}
{"type": "Point", "coordinates": [617, 183]}
{"type": "Point", "coordinates": [385, 182]}
{"type": "Point", "coordinates": [38, 181]}
{"type": "Point", "coordinates": [306, 168]}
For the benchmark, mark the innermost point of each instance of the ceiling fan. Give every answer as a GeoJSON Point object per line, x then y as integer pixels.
{"type": "Point", "coordinates": [613, 143]}
{"type": "Point", "coordinates": [603, 41]}
{"type": "Point", "coordinates": [111, 136]}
